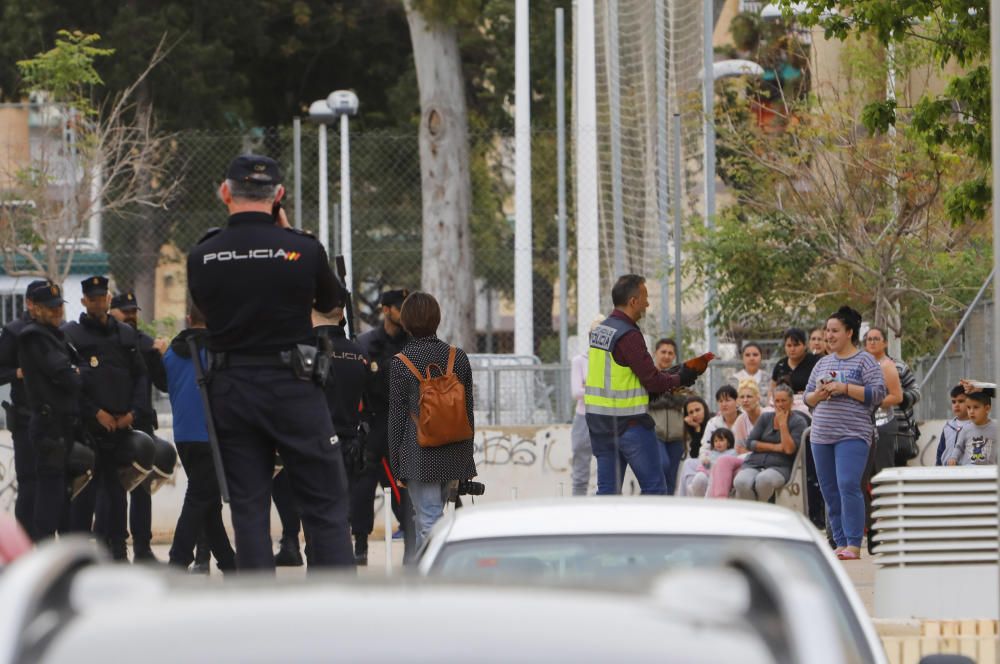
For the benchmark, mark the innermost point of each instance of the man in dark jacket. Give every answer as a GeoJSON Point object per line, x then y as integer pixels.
{"type": "Point", "coordinates": [114, 381]}
{"type": "Point", "coordinates": [380, 345]}
{"type": "Point", "coordinates": [18, 413]}
{"type": "Point", "coordinates": [52, 385]}
{"type": "Point", "coordinates": [202, 509]}
{"type": "Point", "coordinates": [125, 309]}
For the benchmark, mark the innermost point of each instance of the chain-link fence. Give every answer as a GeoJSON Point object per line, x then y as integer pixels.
{"type": "Point", "coordinates": [386, 222]}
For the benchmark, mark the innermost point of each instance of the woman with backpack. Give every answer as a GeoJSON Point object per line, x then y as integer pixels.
{"type": "Point", "coordinates": [431, 422]}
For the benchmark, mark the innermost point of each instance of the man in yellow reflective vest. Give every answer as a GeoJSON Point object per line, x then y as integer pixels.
{"type": "Point", "coordinates": [620, 377]}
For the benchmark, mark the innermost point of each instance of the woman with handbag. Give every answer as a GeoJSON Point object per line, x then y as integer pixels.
{"type": "Point", "coordinates": [431, 422]}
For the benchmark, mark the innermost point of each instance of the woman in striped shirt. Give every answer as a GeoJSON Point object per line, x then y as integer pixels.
{"type": "Point", "coordinates": [844, 388]}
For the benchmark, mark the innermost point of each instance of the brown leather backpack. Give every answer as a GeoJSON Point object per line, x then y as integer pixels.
{"type": "Point", "coordinates": [442, 419]}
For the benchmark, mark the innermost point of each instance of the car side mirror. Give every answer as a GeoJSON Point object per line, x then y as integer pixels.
{"type": "Point", "coordinates": [946, 659]}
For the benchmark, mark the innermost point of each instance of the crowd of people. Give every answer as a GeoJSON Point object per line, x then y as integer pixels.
{"type": "Point", "coordinates": [838, 395]}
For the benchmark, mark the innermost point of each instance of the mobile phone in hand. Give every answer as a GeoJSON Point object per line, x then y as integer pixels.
{"type": "Point", "coordinates": [275, 211]}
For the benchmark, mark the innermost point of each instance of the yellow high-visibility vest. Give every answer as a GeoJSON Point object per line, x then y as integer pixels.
{"type": "Point", "coordinates": [611, 389]}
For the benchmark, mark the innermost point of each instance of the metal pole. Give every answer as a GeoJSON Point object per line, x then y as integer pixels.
{"type": "Point", "coordinates": [588, 267]}
{"type": "Point", "coordinates": [324, 194]}
{"type": "Point", "coordinates": [995, 157]}
{"type": "Point", "coordinates": [708, 98]}
{"type": "Point", "coordinates": [959, 327]}
{"type": "Point", "coordinates": [614, 80]}
{"type": "Point", "coordinates": [662, 164]}
{"type": "Point", "coordinates": [297, 152]}
{"type": "Point", "coordinates": [336, 232]}
{"type": "Point", "coordinates": [387, 521]}
{"type": "Point", "coordinates": [678, 317]}
{"type": "Point", "coordinates": [345, 201]}
{"type": "Point", "coordinates": [524, 329]}
{"type": "Point", "coordinates": [561, 185]}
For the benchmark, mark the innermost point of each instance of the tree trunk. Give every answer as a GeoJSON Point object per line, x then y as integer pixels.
{"type": "Point", "coordinates": [444, 174]}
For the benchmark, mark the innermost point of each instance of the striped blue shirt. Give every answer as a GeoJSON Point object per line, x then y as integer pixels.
{"type": "Point", "coordinates": [842, 417]}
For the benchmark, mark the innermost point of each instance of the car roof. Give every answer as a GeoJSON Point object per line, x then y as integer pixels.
{"type": "Point", "coordinates": [627, 515]}
{"type": "Point", "coordinates": [324, 619]}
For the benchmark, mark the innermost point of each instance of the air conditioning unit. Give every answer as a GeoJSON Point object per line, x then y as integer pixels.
{"type": "Point", "coordinates": [936, 542]}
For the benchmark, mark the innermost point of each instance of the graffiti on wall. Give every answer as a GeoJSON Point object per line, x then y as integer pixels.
{"type": "Point", "coordinates": [498, 447]}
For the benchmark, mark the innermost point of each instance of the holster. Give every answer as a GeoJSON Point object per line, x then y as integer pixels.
{"type": "Point", "coordinates": [309, 364]}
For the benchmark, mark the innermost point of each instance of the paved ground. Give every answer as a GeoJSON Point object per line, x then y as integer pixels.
{"type": "Point", "coordinates": [862, 572]}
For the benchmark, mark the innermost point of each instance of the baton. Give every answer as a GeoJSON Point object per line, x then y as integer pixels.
{"type": "Point", "coordinates": [213, 438]}
{"type": "Point", "coordinates": [349, 307]}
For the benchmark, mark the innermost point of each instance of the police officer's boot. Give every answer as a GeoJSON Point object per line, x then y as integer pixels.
{"type": "Point", "coordinates": [118, 550]}
{"type": "Point", "coordinates": [202, 559]}
{"type": "Point", "coordinates": [361, 550]}
{"type": "Point", "coordinates": [288, 554]}
{"type": "Point", "coordinates": [142, 552]}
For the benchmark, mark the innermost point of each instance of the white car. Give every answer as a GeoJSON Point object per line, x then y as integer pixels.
{"type": "Point", "coordinates": [625, 542]}
{"type": "Point", "coordinates": [64, 603]}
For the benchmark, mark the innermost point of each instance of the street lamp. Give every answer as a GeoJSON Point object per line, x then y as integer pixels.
{"type": "Point", "coordinates": [321, 114]}
{"type": "Point", "coordinates": [343, 104]}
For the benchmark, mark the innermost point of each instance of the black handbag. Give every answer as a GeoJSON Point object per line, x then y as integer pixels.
{"type": "Point", "coordinates": [907, 435]}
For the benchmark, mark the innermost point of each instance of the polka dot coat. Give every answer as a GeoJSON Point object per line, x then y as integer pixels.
{"type": "Point", "coordinates": [409, 460]}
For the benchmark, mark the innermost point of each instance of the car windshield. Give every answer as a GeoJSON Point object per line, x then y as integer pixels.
{"type": "Point", "coordinates": [629, 562]}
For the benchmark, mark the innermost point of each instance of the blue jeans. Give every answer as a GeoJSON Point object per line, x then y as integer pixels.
{"type": "Point", "coordinates": [672, 453]}
{"type": "Point", "coordinates": [839, 468]}
{"type": "Point", "coordinates": [428, 500]}
{"type": "Point", "coordinates": [636, 448]}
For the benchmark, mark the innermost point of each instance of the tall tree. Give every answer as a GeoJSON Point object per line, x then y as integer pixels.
{"type": "Point", "coordinates": [444, 167]}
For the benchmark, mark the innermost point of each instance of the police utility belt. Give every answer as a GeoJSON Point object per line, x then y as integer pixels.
{"type": "Point", "coordinates": [305, 362]}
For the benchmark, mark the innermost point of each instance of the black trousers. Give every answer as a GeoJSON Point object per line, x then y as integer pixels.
{"type": "Point", "coordinates": [140, 513]}
{"type": "Point", "coordinates": [104, 497]}
{"type": "Point", "coordinates": [258, 411]}
{"type": "Point", "coordinates": [377, 473]}
{"type": "Point", "coordinates": [26, 472]}
{"type": "Point", "coordinates": [288, 511]}
{"type": "Point", "coordinates": [202, 510]}
{"type": "Point", "coordinates": [51, 438]}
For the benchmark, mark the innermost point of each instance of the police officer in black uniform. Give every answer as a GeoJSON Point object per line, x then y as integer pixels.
{"type": "Point", "coordinates": [257, 282]}
{"type": "Point", "coordinates": [344, 388]}
{"type": "Point", "coordinates": [380, 345]}
{"type": "Point", "coordinates": [114, 379]}
{"type": "Point", "coordinates": [125, 309]}
{"type": "Point", "coordinates": [18, 413]}
{"type": "Point", "coordinates": [52, 385]}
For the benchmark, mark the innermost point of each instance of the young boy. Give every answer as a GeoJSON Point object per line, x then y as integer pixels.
{"type": "Point", "coordinates": [952, 426]}
{"type": "Point", "coordinates": [975, 444]}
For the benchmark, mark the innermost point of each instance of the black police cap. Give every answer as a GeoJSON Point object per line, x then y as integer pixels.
{"type": "Point", "coordinates": [254, 168]}
{"type": "Point", "coordinates": [125, 302]}
{"type": "Point", "coordinates": [393, 298]}
{"type": "Point", "coordinates": [33, 285]}
{"type": "Point", "coordinates": [46, 294]}
{"type": "Point", "coordinates": [96, 285]}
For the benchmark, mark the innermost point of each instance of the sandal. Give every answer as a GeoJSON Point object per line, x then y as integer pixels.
{"type": "Point", "coordinates": [847, 554]}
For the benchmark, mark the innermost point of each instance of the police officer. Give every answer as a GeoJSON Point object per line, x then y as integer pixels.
{"type": "Point", "coordinates": [52, 385]}
{"type": "Point", "coordinates": [380, 345]}
{"type": "Point", "coordinates": [114, 379]}
{"type": "Point", "coordinates": [18, 413]}
{"type": "Point", "coordinates": [344, 388]}
{"type": "Point", "coordinates": [257, 282]}
{"type": "Point", "coordinates": [125, 309]}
